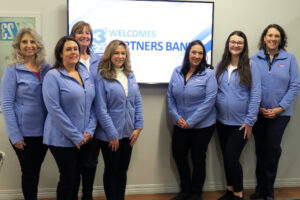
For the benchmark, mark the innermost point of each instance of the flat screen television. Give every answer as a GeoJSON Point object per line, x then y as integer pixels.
{"type": "Point", "coordinates": [157, 32]}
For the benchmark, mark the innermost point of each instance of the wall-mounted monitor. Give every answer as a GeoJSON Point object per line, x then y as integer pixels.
{"type": "Point", "coordinates": [157, 32]}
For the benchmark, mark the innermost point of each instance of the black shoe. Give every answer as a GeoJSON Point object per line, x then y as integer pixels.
{"type": "Point", "coordinates": [227, 196]}
{"type": "Point", "coordinates": [195, 197]}
{"type": "Point", "coordinates": [237, 198]}
{"type": "Point", "coordinates": [181, 196]}
{"type": "Point", "coordinates": [257, 195]}
{"type": "Point", "coordinates": [269, 198]}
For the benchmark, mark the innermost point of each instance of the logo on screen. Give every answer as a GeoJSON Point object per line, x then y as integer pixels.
{"type": "Point", "coordinates": [99, 40]}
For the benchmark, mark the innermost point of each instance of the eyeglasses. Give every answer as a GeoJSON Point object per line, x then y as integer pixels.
{"type": "Point", "coordinates": [236, 43]}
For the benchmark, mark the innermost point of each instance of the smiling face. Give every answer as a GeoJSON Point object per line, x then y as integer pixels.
{"type": "Point", "coordinates": [272, 39]}
{"type": "Point", "coordinates": [195, 55]}
{"type": "Point", "coordinates": [84, 37]}
{"type": "Point", "coordinates": [119, 56]}
{"type": "Point", "coordinates": [70, 54]}
{"type": "Point", "coordinates": [236, 45]}
{"type": "Point", "coordinates": [28, 46]}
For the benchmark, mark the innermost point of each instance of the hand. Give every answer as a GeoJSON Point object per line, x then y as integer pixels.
{"type": "Point", "coordinates": [20, 145]}
{"type": "Point", "coordinates": [134, 136]}
{"type": "Point", "coordinates": [186, 126]}
{"type": "Point", "coordinates": [87, 136]}
{"type": "Point", "coordinates": [247, 130]}
{"type": "Point", "coordinates": [114, 144]}
{"type": "Point", "coordinates": [272, 113]}
{"type": "Point", "coordinates": [81, 143]}
{"type": "Point", "coordinates": [183, 124]}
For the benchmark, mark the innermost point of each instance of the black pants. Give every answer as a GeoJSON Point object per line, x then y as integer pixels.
{"type": "Point", "coordinates": [196, 141]}
{"type": "Point", "coordinates": [268, 134]}
{"type": "Point", "coordinates": [88, 160]}
{"type": "Point", "coordinates": [67, 160]}
{"type": "Point", "coordinates": [31, 159]}
{"type": "Point", "coordinates": [116, 166]}
{"type": "Point", "coordinates": [232, 144]}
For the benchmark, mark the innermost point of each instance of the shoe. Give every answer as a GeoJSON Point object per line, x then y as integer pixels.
{"type": "Point", "coordinates": [237, 198]}
{"type": "Point", "coordinates": [181, 196]}
{"type": "Point", "coordinates": [195, 197]}
{"type": "Point", "coordinates": [269, 198]}
{"type": "Point", "coordinates": [257, 195]}
{"type": "Point", "coordinates": [227, 196]}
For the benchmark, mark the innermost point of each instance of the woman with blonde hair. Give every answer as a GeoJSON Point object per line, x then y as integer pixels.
{"type": "Point", "coordinates": [119, 111]}
{"type": "Point", "coordinates": [23, 106]}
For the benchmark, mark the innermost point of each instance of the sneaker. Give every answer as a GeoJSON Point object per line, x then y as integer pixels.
{"type": "Point", "coordinates": [237, 198]}
{"type": "Point", "coordinates": [257, 195]}
{"type": "Point", "coordinates": [195, 197]}
{"type": "Point", "coordinates": [227, 196]}
{"type": "Point", "coordinates": [181, 196]}
{"type": "Point", "coordinates": [269, 198]}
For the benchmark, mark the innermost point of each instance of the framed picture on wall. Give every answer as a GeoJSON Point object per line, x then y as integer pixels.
{"type": "Point", "coordinates": [10, 24]}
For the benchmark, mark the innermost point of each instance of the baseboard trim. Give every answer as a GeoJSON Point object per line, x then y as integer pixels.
{"type": "Point", "coordinates": [147, 188]}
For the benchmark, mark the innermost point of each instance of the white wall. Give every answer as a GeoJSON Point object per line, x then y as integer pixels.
{"type": "Point", "coordinates": [152, 169]}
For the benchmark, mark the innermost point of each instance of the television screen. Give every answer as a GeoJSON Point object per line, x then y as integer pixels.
{"type": "Point", "coordinates": [157, 32]}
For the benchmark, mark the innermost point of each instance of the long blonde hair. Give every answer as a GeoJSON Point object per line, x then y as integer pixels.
{"type": "Point", "coordinates": [17, 56]}
{"type": "Point", "coordinates": [106, 66]}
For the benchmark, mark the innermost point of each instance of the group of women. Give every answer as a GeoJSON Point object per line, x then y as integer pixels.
{"type": "Point", "coordinates": [75, 108]}
{"type": "Point", "coordinates": [83, 104]}
{"type": "Point", "coordinates": [241, 96]}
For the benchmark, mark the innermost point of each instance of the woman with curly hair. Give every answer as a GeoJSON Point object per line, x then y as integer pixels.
{"type": "Point", "coordinates": [23, 106]}
{"type": "Point", "coordinates": [119, 111]}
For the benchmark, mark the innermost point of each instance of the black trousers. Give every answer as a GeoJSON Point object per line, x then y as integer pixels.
{"type": "Point", "coordinates": [88, 160]}
{"type": "Point", "coordinates": [116, 166]}
{"type": "Point", "coordinates": [31, 159]}
{"type": "Point", "coordinates": [268, 134]}
{"type": "Point", "coordinates": [195, 141]}
{"type": "Point", "coordinates": [232, 144]}
{"type": "Point", "coordinates": [67, 160]}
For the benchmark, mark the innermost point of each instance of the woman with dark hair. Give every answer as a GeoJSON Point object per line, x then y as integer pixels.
{"type": "Point", "coordinates": [119, 111]}
{"type": "Point", "coordinates": [191, 98]}
{"type": "Point", "coordinates": [68, 92]}
{"type": "Point", "coordinates": [237, 105]}
{"type": "Point", "coordinates": [83, 33]}
{"type": "Point", "coordinates": [23, 106]}
{"type": "Point", "coordinates": [280, 86]}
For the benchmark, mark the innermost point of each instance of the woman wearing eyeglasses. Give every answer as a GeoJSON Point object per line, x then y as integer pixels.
{"type": "Point", "coordinates": [237, 105]}
{"type": "Point", "coordinates": [280, 85]}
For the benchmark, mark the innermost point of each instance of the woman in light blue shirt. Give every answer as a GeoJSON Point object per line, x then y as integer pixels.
{"type": "Point", "coordinates": [191, 99]}
{"type": "Point", "coordinates": [69, 93]}
{"type": "Point", "coordinates": [280, 86]}
{"type": "Point", "coordinates": [23, 106]}
{"type": "Point", "coordinates": [237, 107]}
{"type": "Point", "coordinates": [119, 111]}
{"type": "Point", "coordinates": [89, 60]}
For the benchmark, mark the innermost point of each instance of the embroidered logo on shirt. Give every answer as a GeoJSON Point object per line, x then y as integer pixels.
{"type": "Point", "coordinates": [281, 65]}
{"type": "Point", "coordinates": [90, 84]}
{"type": "Point", "coordinates": [132, 83]}
{"type": "Point", "coordinates": [198, 79]}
